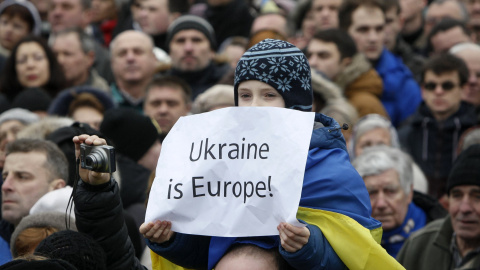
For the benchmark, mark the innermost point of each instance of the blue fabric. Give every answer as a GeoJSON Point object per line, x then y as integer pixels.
{"type": "Point", "coordinates": [401, 93]}
{"type": "Point", "coordinates": [307, 257]}
{"type": "Point", "coordinates": [393, 240]}
{"type": "Point", "coordinates": [5, 254]}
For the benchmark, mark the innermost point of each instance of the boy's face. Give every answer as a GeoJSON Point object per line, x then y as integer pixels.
{"type": "Point", "coordinates": [258, 94]}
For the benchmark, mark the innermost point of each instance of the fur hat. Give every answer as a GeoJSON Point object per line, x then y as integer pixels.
{"type": "Point", "coordinates": [192, 22]}
{"type": "Point", "coordinates": [77, 248]}
{"type": "Point", "coordinates": [281, 65]}
{"type": "Point", "coordinates": [44, 219]}
{"type": "Point", "coordinates": [215, 96]}
{"type": "Point", "coordinates": [131, 132]}
{"type": "Point", "coordinates": [465, 169]}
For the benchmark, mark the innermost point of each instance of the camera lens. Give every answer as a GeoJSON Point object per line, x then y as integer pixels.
{"type": "Point", "coordinates": [95, 160]}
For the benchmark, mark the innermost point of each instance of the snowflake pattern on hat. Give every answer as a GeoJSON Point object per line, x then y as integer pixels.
{"type": "Point", "coordinates": [281, 65]}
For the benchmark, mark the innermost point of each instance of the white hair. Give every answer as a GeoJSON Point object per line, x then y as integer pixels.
{"type": "Point", "coordinates": [464, 46]}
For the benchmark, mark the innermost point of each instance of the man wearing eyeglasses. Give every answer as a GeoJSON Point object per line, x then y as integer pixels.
{"type": "Point", "coordinates": [431, 135]}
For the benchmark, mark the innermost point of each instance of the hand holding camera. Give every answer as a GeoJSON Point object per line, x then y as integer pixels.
{"type": "Point", "coordinates": [96, 159]}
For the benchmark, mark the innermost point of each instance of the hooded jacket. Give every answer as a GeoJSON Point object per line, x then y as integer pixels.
{"type": "Point", "coordinates": [37, 22]}
{"type": "Point", "coordinates": [335, 204]}
{"type": "Point", "coordinates": [37, 27]}
{"type": "Point", "coordinates": [433, 144]}
{"type": "Point", "coordinates": [362, 86]}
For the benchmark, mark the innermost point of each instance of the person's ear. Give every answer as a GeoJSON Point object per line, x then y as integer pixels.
{"type": "Point", "coordinates": [410, 195]}
{"type": "Point", "coordinates": [57, 184]}
{"type": "Point", "coordinates": [173, 16]}
{"type": "Point", "coordinates": [345, 62]}
{"type": "Point", "coordinates": [87, 16]}
{"type": "Point", "coordinates": [91, 58]}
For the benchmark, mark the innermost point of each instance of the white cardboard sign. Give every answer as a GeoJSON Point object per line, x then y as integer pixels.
{"type": "Point", "coordinates": [232, 172]}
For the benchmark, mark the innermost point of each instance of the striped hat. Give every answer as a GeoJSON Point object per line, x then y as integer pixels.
{"type": "Point", "coordinates": [281, 65]}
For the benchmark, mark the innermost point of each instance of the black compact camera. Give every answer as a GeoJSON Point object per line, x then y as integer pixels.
{"type": "Point", "coordinates": [97, 158]}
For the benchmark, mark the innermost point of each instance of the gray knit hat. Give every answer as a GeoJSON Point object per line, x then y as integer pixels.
{"type": "Point", "coordinates": [44, 219]}
{"type": "Point", "coordinates": [281, 65]}
{"type": "Point", "coordinates": [25, 116]}
{"type": "Point", "coordinates": [187, 22]}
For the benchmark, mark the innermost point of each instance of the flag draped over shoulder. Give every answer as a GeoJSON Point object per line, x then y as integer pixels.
{"type": "Point", "coordinates": [347, 237]}
{"type": "Point", "coordinates": [335, 199]}
{"type": "Point", "coordinates": [160, 263]}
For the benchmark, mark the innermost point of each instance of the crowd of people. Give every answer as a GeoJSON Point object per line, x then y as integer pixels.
{"type": "Point", "coordinates": [403, 75]}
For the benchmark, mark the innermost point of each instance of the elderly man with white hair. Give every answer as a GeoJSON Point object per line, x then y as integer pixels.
{"type": "Point", "coordinates": [388, 176]}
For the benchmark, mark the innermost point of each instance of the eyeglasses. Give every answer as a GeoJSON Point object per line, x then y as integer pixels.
{"type": "Point", "coordinates": [446, 86]}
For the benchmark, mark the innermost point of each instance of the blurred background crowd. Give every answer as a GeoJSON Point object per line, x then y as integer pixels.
{"type": "Point", "coordinates": [403, 74]}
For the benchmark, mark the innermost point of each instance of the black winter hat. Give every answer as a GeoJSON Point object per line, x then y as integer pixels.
{"type": "Point", "coordinates": [77, 248]}
{"type": "Point", "coordinates": [281, 65]}
{"type": "Point", "coordinates": [465, 170]}
{"type": "Point", "coordinates": [132, 133]}
{"type": "Point", "coordinates": [187, 22]}
{"type": "Point", "coordinates": [32, 99]}
{"type": "Point", "coordinates": [50, 264]}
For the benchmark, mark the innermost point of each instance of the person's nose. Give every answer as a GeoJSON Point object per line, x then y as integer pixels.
{"type": "Point", "coordinates": [381, 201]}
{"type": "Point", "coordinates": [325, 12]}
{"type": "Point", "coordinates": [465, 205]}
{"type": "Point", "coordinates": [142, 12]}
{"type": "Point", "coordinates": [163, 108]}
{"type": "Point", "coordinates": [255, 102]}
{"type": "Point", "coordinates": [56, 11]}
{"type": "Point", "coordinates": [130, 56]}
{"type": "Point", "coordinates": [188, 45]}
{"type": "Point", "coordinates": [313, 60]}
{"type": "Point", "coordinates": [7, 184]}
{"type": "Point", "coordinates": [472, 78]}
{"type": "Point", "coordinates": [373, 36]}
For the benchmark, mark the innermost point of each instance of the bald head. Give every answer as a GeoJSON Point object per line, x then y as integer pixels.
{"type": "Point", "coordinates": [470, 54]}
{"type": "Point", "coordinates": [133, 61]}
{"type": "Point", "coordinates": [132, 34]}
{"type": "Point", "coordinates": [270, 21]}
{"type": "Point", "coordinates": [442, 9]}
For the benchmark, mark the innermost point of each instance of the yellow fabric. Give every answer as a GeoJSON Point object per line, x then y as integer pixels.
{"type": "Point", "coordinates": [356, 246]}
{"type": "Point", "coordinates": [160, 263]}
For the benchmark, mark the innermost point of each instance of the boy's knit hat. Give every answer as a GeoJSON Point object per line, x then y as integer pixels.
{"type": "Point", "coordinates": [281, 65]}
{"type": "Point", "coordinates": [465, 169]}
{"type": "Point", "coordinates": [189, 22]}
